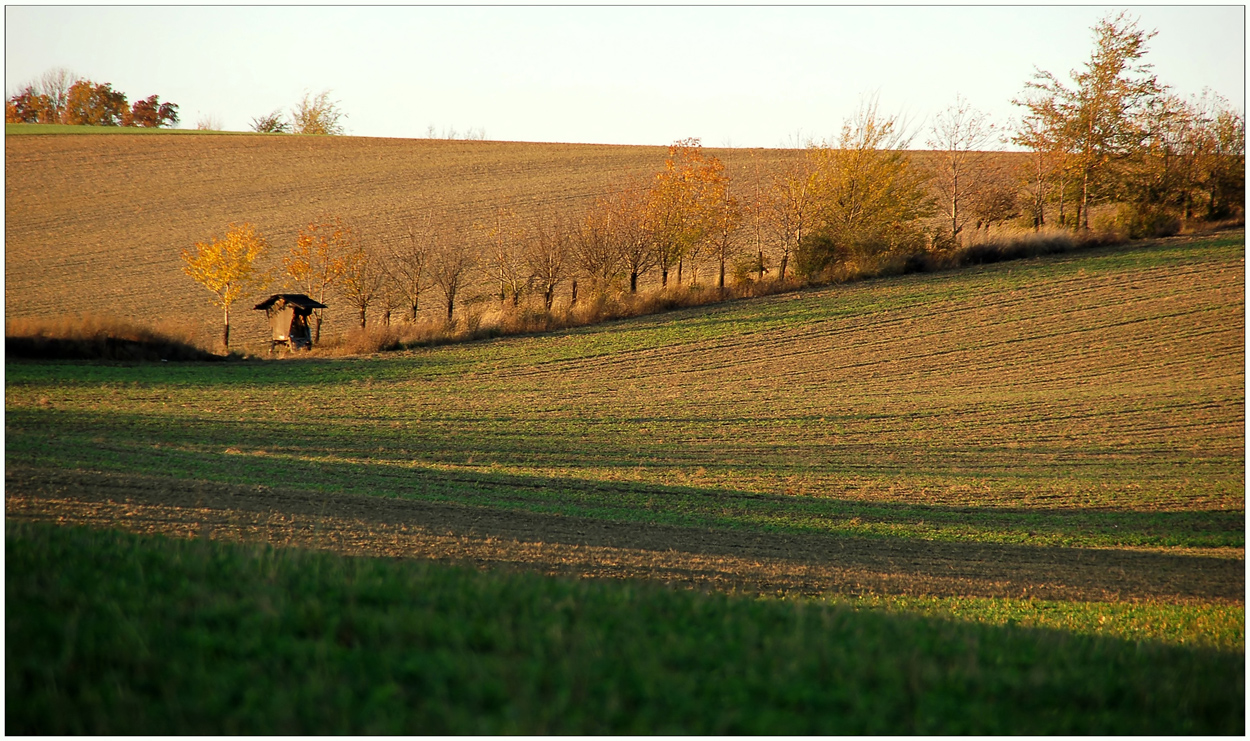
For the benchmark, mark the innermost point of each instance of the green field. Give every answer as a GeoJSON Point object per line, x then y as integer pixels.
{"type": "Point", "coordinates": [151, 636]}
{"type": "Point", "coordinates": [1092, 400]}
{"type": "Point", "coordinates": [1013, 497]}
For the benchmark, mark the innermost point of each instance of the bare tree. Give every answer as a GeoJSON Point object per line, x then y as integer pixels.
{"type": "Point", "coordinates": [362, 280]}
{"type": "Point", "coordinates": [727, 220]}
{"type": "Point", "coordinates": [790, 209]}
{"type": "Point", "coordinates": [506, 261]}
{"type": "Point", "coordinates": [628, 229]}
{"type": "Point", "coordinates": [453, 258]}
{"type": "Point", "coordinates": [958, 135]}
{"type": "Point", "coordinates": [597, 254]}
{"type": "Point", "coordinates": [547, 255]}
{"type": "Point", "coordinates": [55, 83]}
{"type": "Point", "coordinates": [996, 197]}
{"type": "Point", "coordinates": [409, 261]}
{"type": "Point", "coordinates": [208, 122]}
{"type": "Point", "coordinates": [756, 211]}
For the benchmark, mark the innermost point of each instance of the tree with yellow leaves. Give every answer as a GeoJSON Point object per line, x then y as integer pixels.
{"type": "Point", "coordinates": [227, 267]}
{"type": "Point", "coordinates": [682, 202]}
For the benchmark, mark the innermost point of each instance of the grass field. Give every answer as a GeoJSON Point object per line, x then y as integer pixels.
{"type": "Point", "coordinates": [1011, 498]}
{"type": "Point", "coordinates": [12, 129]}
{"type": "Point", "coordinates": [1087, 400]}
{"type": "Point", "coordinates": [160, 637]}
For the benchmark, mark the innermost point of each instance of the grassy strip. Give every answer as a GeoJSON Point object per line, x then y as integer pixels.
{"type": "Point", "coordinates": [11, 129]}
{"type": "Point", "coordinates": [1221, 627]}
{"type": "Point", "coordinates": [118, 634]}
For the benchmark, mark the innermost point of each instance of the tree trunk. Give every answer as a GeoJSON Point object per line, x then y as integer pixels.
{"type": "Point", "coordinates": [785, 258]}
{"type": "Point", "coordinates": [679, 266]}
{"type": "Point", "coordinates": [761, 263]}
{"type": "Point", "coordinates": [722, 275]}
{"type": "Point", "coordinates": [316, 317]}
{"type": "Point", "coordinates": [1082, 216]}
{"type": "Point", "coordinates": [664, 277]}
{"type": "Point", "coordinates": [573, 300]}
{"type": "Point", "coordinates": [414, 312]}
{"type": "Point", "coordinates": [955, 209]}
{"type": "Point", "coordinates": [451, 303]}
{"type": "Point", "coordinates": [225, 331]}
{"type": "Point", "coordinates": [362, 317]}
{"type": "Point", "coordinates": [633, 282]}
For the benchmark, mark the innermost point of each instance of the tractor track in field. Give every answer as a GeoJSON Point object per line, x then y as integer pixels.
{"type": "Point", "coordinates": [572, 546]}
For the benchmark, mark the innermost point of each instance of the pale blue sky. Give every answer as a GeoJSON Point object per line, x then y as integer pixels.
{"type": "Point", "coordinates": [733, 76]}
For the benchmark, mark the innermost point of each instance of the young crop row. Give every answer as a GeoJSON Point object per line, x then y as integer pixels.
{"type": "Point", "coordinates": [1110, 380]}
{"type": "Point", "coordinates": [117, 634]}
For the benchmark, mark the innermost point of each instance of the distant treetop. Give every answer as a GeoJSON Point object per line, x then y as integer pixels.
{"type": "Point", "coordinates": [61, 97]}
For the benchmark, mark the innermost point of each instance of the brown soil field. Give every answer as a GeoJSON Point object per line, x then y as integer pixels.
{"type": "Point", "coordinates": [95, 223]}
{"type": "Point", "coordinates": [572, 546]}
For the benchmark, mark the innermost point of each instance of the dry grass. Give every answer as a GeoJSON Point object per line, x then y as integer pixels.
{"type": "Point", "coordinates": [100, 336]}
{"type": "Point", "coordinates": [97, 336]}
{"type": "Point", "coordinates": [487, 320]}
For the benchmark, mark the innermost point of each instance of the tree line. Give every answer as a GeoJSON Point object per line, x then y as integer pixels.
{"type": "Point", "coordinates": [1113, 136]}
{"type": "Point", "coordinates": [60, 97]}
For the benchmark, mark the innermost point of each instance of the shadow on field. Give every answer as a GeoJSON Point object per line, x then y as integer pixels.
{"type": "Point", "coordinates": [111, 633]}
{"type": "Point", "coordinates": [716, 558]}
{"type": "Point", "coordinates": [350, 456]}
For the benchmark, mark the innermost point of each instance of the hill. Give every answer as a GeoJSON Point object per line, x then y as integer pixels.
{"type": "Point", "coordinates": [991, 404]}
{"type": "Point", "coordinates": [95, 222]}
{"type": "Point", "coordinates": [1003, 499]}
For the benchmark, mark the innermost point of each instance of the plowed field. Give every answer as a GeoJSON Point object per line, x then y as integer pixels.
{"type": "Point", "coordinates": [1070, 427]}
{"type": "Point", "coordinates": [95, 222]}
{"type": "Point", "coordinates": [585, 547]}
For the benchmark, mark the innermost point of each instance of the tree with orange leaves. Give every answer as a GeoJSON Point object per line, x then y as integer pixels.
{"type": "Point", "coordinates": [682, 203]}
{"type": "Point", "coordinates": [227, 268]}
{"type": "Point", "coordinates": [317, 260]}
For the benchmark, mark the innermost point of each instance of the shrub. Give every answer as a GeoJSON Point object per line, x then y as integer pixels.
{"type": "Point", "coordinates": [1141, 221]}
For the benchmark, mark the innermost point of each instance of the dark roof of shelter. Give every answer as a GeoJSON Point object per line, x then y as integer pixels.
{"type": "Point", "coordinates": [298, 299]}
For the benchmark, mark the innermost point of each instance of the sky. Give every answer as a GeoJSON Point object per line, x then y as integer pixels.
{"type": "Point", "coordinates": [761, 76]}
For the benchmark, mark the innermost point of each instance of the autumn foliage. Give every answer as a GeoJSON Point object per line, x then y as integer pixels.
{"type": "Point", "coordinates": [81, 102]}
{"type": "Point", "coordinates": [227, 268]}
{"type": "Point", "coordinates": [1113, 154]}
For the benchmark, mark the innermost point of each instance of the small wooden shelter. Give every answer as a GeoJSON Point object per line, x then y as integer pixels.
{"type": "Point", "coordinates": [288, 317]}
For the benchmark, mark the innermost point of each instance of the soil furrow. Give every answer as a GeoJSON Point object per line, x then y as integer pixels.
{"type": "Point", "coordinates": [708, 559]}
